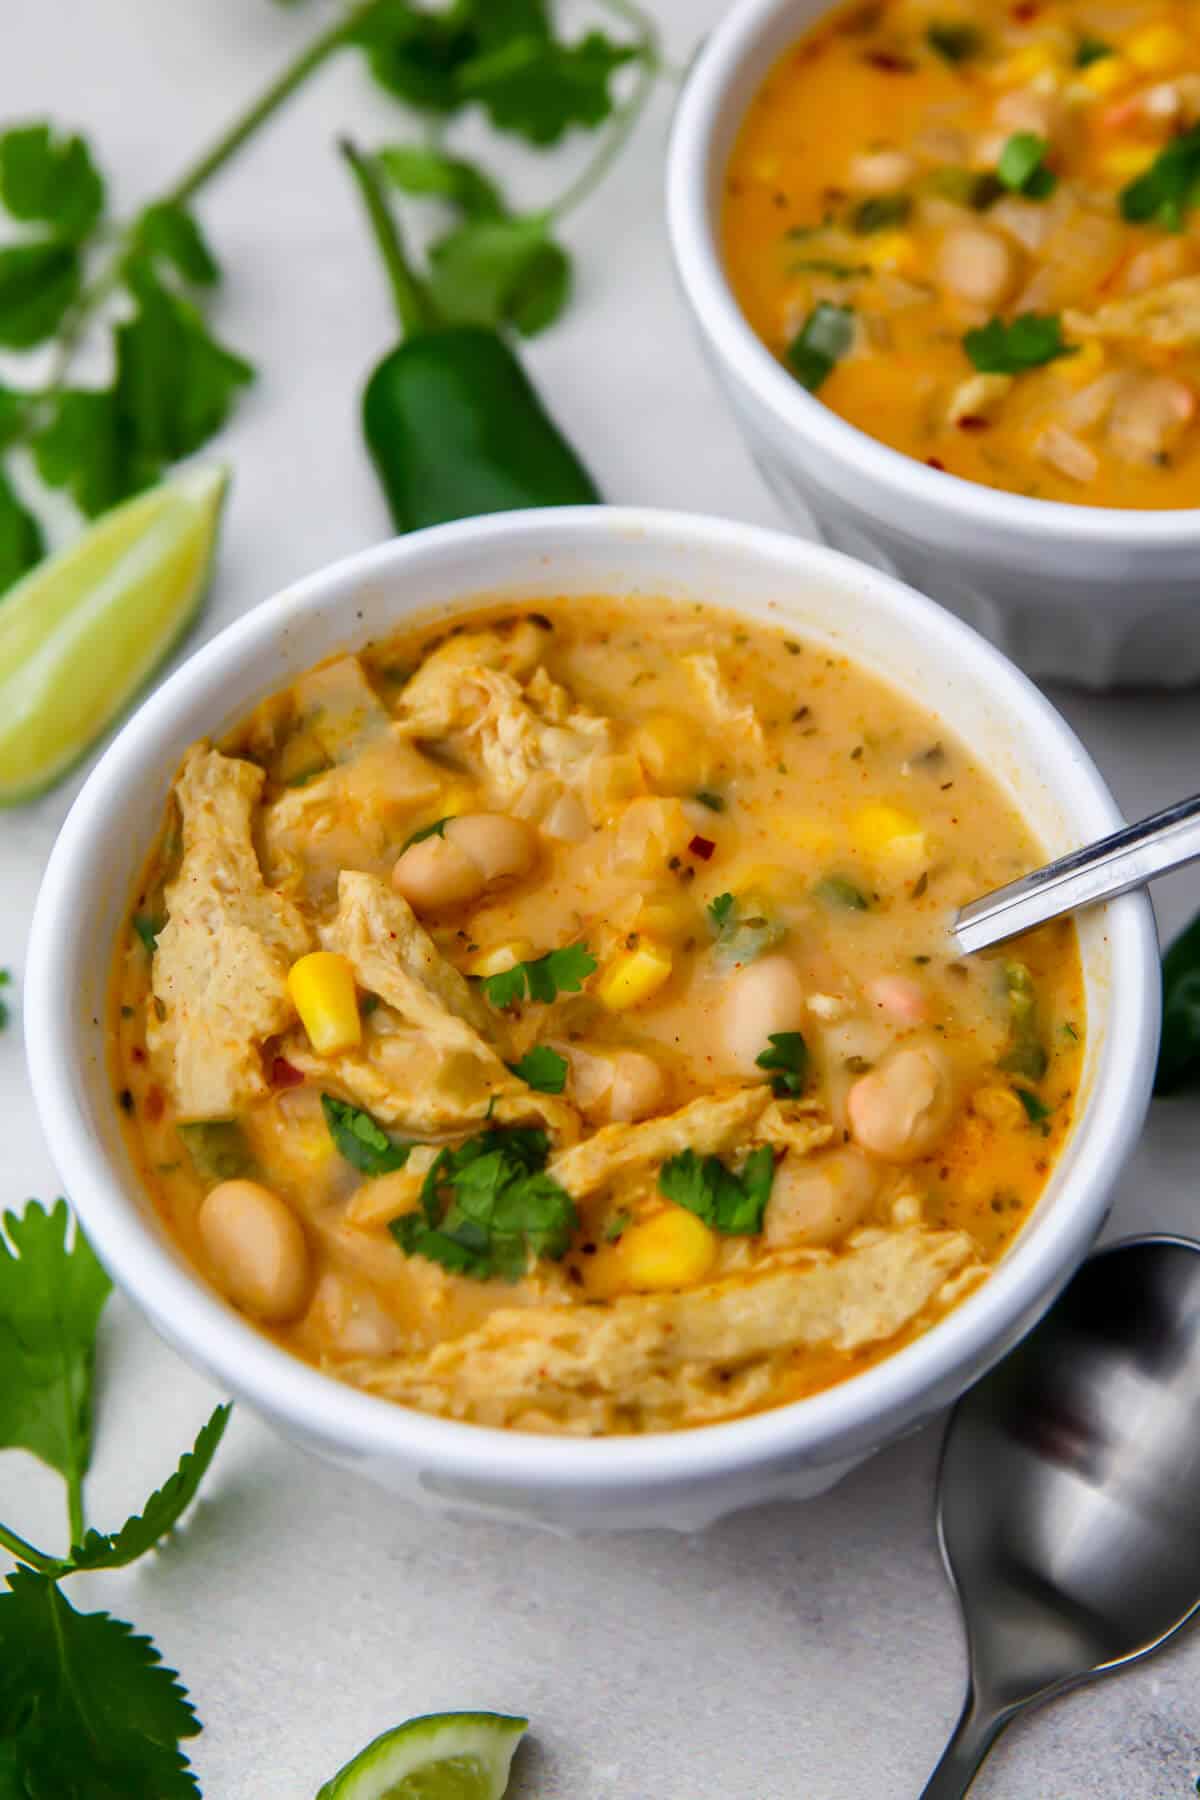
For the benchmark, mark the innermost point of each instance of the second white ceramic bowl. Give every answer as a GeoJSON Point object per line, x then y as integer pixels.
{"type": "Point", "coordinates": [686, 1478]}
{"type": "Point", "coordinates": [1086, 594]}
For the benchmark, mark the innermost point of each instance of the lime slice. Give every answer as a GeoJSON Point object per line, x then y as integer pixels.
{"type": "Point", "coordinates": [443, 1756]}
{"type": "Point", "coordinates": [83, 631]}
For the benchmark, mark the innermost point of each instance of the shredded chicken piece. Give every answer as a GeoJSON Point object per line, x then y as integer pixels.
{"type": "Point", "coordinates": [1068, 454]}
{"type": "Point", "coordinates": [425, 1064]}
{"type": "Point", "coordinates": [1168, 315]}
{"type": "Point", "coordinates": [713, 1123]}
{"type": "Point", "coordinates": [429, 705]}
{"type": "Point", "coordinates": [798, 1126]}
{"type": "Point", "coordinates": [220, 968]}
{"type": "Point", "coordinates": [645, 1362]}
{"type": "Point", "coordinates": [705, 671]}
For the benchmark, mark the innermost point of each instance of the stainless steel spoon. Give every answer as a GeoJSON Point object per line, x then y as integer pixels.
{"type": "Point", "coordinates": [1129, 858]}
{"type": "Point", "coordinates": [1069, 1493]}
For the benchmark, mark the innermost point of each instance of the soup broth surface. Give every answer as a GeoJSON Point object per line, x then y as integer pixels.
{"type": "Point", "coordinates": [974, 230]}
{"type": "Point", "coordinates": [550, 1021]}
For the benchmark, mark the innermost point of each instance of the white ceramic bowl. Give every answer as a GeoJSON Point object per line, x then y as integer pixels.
{"type": "Point", "coordinates": [682, 1479]}
{"type": "Point", "coordinates": [1086, 594]}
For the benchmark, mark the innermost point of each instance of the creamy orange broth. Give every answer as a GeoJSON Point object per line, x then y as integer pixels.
{"type": "Point", "coordinates": [865, 178]}
{"type": "Point", "coordinates": [669, 766]}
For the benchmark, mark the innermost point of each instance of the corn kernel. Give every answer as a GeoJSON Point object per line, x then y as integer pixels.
{"type": "Point", "coordinates": [889, 831]}
{"type": "Point", "coordinates": [1157, 48]}
{"type": "Point", "coordinates": [502, 957]}
{"type": "Point", "coordinates": [669, 917]}
{"type": "Point", "coordinates": [672, 752]}
{"type": "Point", "coordinates": [894, 251]}
{"type": "Point", "coordinates": [1124, 161]}
{"type": "Point", "coordinates": [634, 976]}
{"type": "Point", "coordinates": [674, 1249]}
{"type": "Point", "coordinates": [1024, 65]}
{"type": "Point", "coordinates": [1106, 76]}
{"type": "Point", "coordinates": [322, 989]}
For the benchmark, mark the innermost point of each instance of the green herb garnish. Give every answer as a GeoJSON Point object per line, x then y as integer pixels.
{"type": "Point", "coordinates": [1036, 1110]}
{"type": "Point", "coordinates": [1030, 340]}
{"type": "Point", "coordinates": [976, 188]}
{"type": "Point", "coordinates": [823, 265]}
{"type": "Point", "coordinates": [714, 802]}
{"type": "Point", "coordinates": [839, 890]}
{"type": "Point", "coordinates": [1027, 1054]}
{"type": "Point", "coordinates": [362, 1140]}
{"type": "Point", "coordinates": [616, 1227]}
{"type": "Point", "coordinates": [743, 928]}
{"type": "Point", "coordinates": [1022, 166]}
{"type": "Point", "coordinates": [488, 1208]}
{"type": "Point", "coordinates": [954, 42]}
{"type": "Point", "coordinates": [880, 213]}
{"type": "Point", "coordinates": [148, 929]}
{"type": "Point", "coordinates": [558, 972]}
{"type": "Point", "coordinates": [822, 340]}
{"type": "Point", "coordinates": [437, 829]}
{"type": "Point", "coordinates": [542, 1068]}
{"type": "Point", "coordinates": [5, 1010]}
{"type": "Point", "coordinates": [786, 1058]}
{"type": "Point", "coordinates": [218, 1148]}
{"type": "Point", "coordinates": [719, 910]}
{"type": "Point", "coordinates": [1170, 187]}
{"type": "Point", "coordinates": [731, 1203]}
{"type": "Point", "coordinates": [1091, 50]}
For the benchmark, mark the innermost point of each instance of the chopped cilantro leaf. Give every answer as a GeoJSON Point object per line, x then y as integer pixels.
{"type": "Point", "coordinates": [822, 340]}
{"type": "Point", "coordinates": [437, 829]}
{"type": "Point", "coordinates": [1022, 166]}
{"type": "Point", "coordinates": [955, 41]}
{"type": "Point", "coordinates": [1169, 189]}
{"type": "Point", "coordinates": [838, 890]}
{"type": "Point", "coordinates": [558, 972]}
{"type": "Point", "coordinates": [542, 1068]}
{"type": "Point", "coordinates": [488, 1207]}
{"type": "Point", "coordinates": [714, 802]}
{"type": "Point", "coordinates": [1036, 1110]}
{"type": "Point", "coordinates": [731, 1203]}
{"type": "Point", "coordinates": [880, 213]}
{"type": "Point", "coordinates": [616, 1227]}
{"type": "Point", "coordinates": [147, 930]}
{"type": "Point", "coordinates": [719, 910]}
{"type": "Point", "coordinates": [1030, 340]}
{"type": "Point", "coordinates": [1092, 50]}
{"type": "Point", "coordinates": [363, 1142]}
{"type": "Point", "coordinates": [786, 1058]}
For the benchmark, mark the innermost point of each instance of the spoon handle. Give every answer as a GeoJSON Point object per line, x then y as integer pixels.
{"type": "Point", "coordinates": [976, 1732]}
{"type": "Point", "coordinates": [1128, 859]}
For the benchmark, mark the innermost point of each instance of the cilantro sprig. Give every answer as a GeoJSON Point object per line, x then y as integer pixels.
{"type": "Point", "coordinates": [488, 1208]}
{"type": "Point", "coordinates": [543, 1069]}
{"type": "Point", "coordinates": [1022, 166]}
{"type": "Point", "coordinates": [361, 1139]}
{"type": "Point", "coordinates": [1168, 190]}
{"type": "Point", "coordinates": [743, 929]}
{"type": "Point", "coordinates": [1027, 342]}
{"type": "Point", "coordinates": [731, 1202]}
{"type": "Point", "coordinates": [786, 1061]}
{"type": "Point", "coordinates": [543, 979]}
{"type": "Point", "coordinates": [86, 1705]}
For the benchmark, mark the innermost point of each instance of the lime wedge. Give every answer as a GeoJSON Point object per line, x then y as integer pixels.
{"type": "Point", "coordinates": [83, 631]}
{"type": "Point", "coordinates": [443, 1756]}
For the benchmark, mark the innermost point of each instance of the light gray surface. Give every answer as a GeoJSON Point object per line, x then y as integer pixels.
{"type": "Point", "coordinates": [806, 1653]}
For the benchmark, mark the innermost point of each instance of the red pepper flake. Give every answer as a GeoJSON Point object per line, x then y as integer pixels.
{"type": "Point", "coordinates": [889, 61]}
{"type": "Point", "coordinates": [935, 462]}
{"type": "Point", "coordinates": [973, 422]}
{"type": "Point", "coordinates": [155, 1105]}
{"type": "Point", "coordinates": [284, 1074]}
{"type": "Point", "coordinates": [137, 1054]}
{"type": "Point", "coordinates": [702, 847]}
{"type": "Point", "coordinates": [1025, 11]}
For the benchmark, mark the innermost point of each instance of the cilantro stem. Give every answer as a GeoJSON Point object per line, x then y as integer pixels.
{"type": "Point", "coordinates": [25, 1552]}
{"type": "Point", "coordinates": [75, 1505]}
{"type": "Point", "coordinates": [413, 303]}
{"type": "Point", "coordinates": [268, 103]}
{"type": "Point", "coordinates": [624, 118]}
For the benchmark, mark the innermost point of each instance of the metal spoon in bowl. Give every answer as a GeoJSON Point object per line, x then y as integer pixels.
{"type": "Point", "coordinates": [1069, 1492]}
{"type": "Point", "coordinates": [1129, 858]}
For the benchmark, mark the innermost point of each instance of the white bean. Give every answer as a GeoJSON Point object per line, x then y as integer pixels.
{"type": "Point", "coordinates": [977, 265]}
{"type": "Point", "coordinates": [500, 846]}
{"type": "Point", "coordinates": [765, 997]}
{"type": "Point", "coordinates": [639, 1087]}
{"type": "Point", "coordinates": [818, 1200]}
{"type": "Point", "coordinates": [881, 171]}
{"type": "Point", "coordinates": [256, 1249]}
{"type": "Point", "coordinates": [436, 873]}
{"type": "Point", "coordinates": [902, 1108]}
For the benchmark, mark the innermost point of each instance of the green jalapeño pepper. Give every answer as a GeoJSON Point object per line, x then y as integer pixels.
{"type": "Point", "coordinates": [452, 422]}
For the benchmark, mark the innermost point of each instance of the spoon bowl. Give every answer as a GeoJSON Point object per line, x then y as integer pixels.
{"type": "Point", "coordinates": [1069, 1492]}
